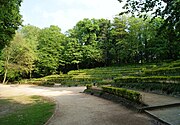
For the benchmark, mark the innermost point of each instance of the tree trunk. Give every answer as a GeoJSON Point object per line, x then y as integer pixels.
{"type": "Point", "coordinates": [30, 74]}
{"type": "Point", "coordinates": [77, 66]}
{"type": "Point", "coordinates": [6, 69]}
{"type": "Point", "coordinates": [5, 75]}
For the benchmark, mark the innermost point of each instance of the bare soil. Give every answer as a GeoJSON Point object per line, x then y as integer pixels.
{"type": "Point", "coordinates": [77, 108]}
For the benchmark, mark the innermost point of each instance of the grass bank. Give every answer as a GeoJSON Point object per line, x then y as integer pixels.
{"type": "Point", "coordinates": [25, 110]}
{"type": "Point", "coordinates": [161, 77]}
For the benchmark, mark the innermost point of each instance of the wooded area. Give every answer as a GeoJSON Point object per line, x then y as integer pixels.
{"type": "Point", "coordinates": [36, 52]}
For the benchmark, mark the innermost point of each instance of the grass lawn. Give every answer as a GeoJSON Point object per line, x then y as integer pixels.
{"type": "Point", "coordinates": [25, 110]}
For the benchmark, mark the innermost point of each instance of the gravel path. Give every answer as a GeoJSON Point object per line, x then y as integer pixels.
{"type": "Point", "coordinates": [76, 108]}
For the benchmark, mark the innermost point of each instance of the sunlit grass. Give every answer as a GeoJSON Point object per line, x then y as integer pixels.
{"type": "Point", "coordinates": [106, 75]}
{"type": "Point", "coordinates": [23, 110]}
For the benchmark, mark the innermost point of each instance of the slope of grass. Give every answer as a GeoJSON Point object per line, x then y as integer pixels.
{"type": "Point", "coordinates": [23, 110]}
{"type": "Point", "coordinates": [136, 76]}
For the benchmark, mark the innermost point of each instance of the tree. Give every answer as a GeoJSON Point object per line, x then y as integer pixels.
{"type": "Point", "coordinates": [18, 59]}
{"type": "Point", "coordinates": [104, 40]}
{"type": "Point", "coordinates": [10, 20]}
{"type": "Point", "coordinates": [143, 44]}
{"type": "Point", "coordinates": [31, 34]}
{"type": "Point", "coordinates": [169, 10]}
{"type": "Point", "coordinates": [118, 34]}
{"type": "Point", "coordinates": [166, 9]}
{"type": "Point", "coordinates": [72, 54]}
{"type": "Point", "coordinates": [85, 32]}
{"type": "Point", "coordinates": [49, 50]}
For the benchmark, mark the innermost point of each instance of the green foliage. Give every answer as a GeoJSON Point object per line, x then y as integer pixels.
{"type": "Point", "coordinates": [97, 76]}
{"type": "Point", "coordinates": [104, 82]}
{"type": "Point", "coordinates": [88, 86]}
{"type": "Point", "coordinates": [163, 71]}
{"type": "Point", "coordinates": [85, 33]}
{"type": "Point", "coordinates": [49, 50]}
{"type": "Point", "coordinates": [126, 76]}
{"type": "Point", "coordinates": [104, 40]}
{"type": "Point", "coordinates": [168, 10]}
{"type": "Point", "coordinates": [47, 83]}
{"type": "Point", "coordinates": [18, 59]}
{"type": "Point", "coordinates": [10, 20]}
{"type": "Point", "coordinates": [162, 88]}
{"type": "Point", "coordinates": [94, 43]}
{"type": "Point", "coordinates": [162, 84]}
{"type": "Point", "coordinates": [72, 53]}
{"type": "Point", "coordinates": [150, 79]}
{"type": "Point", "coordinates": [31, 35]}
{"type": "Point", "coordinates": [122, 92]}
{"type": "Point", "coordinates": [118, 34]}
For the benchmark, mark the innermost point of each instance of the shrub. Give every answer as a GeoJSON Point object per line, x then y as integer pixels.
{"type": "Point", "coordinates": [104, 82]}
{"type": "Point", "coordinates": [162, 84]}
{"type": "Point", "coordinates": [154, 79]}
{"type": "Point", "coordinates": [125, 93]}
{"type": "Point", "coordinates": [163, 71]}
{"type": "Point", "coordinates": [89, 86]}
{"type": "Point", "coordinates": [48, 83]}
{"type": "Point", "coordinates": [168, 88]}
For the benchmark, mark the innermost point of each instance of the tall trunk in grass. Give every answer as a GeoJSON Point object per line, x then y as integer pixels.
{"type": "Point", "coordinates": [77, 66]}
{"type": "Point", "coordinates": [30, 74]}
{"type": "Point", "coordinates": [6, 69]}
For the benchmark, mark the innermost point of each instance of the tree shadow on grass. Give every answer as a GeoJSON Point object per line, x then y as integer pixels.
{"type": "Point", "coordinates": [8, 106]}
{"type": "Point", "coordinates": [35, 110]}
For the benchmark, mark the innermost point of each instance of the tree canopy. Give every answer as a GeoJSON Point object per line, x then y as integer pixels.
{"type": "Point", "coordinates": [90, 43]}
{"type": "Point", "coordinates": [10, 20]}
{"type": "Point", "coordinates": [18, 59]}
{"type": "Point", "coordinates": [169, 10]}
{"type": "Point", "coordinates": [49, 50]}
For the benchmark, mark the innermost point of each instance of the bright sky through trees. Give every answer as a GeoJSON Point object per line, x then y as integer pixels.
{"type": "Point", "coordinates": [66, 13]}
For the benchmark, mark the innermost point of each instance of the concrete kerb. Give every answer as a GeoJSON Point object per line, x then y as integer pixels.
{"type": "Point", "coordinates": [158, 120]}
{"type": "Point", "coordinates": [160, 106]}
{"type": "Point", "coordinates": [55, 111]}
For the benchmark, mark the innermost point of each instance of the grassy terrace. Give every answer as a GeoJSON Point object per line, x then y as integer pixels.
{"type": "Point", "coordinates": [162, 77]}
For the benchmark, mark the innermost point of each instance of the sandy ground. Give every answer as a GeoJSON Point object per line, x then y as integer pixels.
{"type": "Point", "coordinates": [77, 108]}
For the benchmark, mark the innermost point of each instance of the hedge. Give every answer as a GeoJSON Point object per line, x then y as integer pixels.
{"type": "Point", "coordinates": [122, 92]}
{"type": "Point", "coordinates": [163, 71]}
{"type": "Point", "coordinates": [166, 88]}
{"type": "Point", "coordinates": [88, 86]}
{"type": "Point", "coordinates": [150, 79]}
{"type": "Point", "coordinates": [175, 64]}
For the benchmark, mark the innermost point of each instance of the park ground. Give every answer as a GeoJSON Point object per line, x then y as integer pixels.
{"type": "Point", "coordinates": [73, 107]}
{"type": "Point", "coordinates": [76, 108]}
